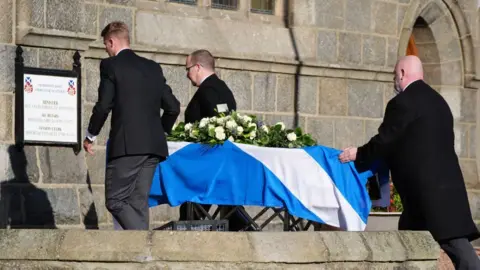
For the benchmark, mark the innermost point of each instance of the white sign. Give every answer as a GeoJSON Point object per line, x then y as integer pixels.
{"type": "Point", "coordinates": [50, 108]}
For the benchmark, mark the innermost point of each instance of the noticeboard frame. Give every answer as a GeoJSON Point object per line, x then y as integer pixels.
{"type": "Point", "coordinates": [20, 71]}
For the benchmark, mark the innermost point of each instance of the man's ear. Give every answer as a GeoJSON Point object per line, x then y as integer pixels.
{"type": "Point", "coordinates": [109, 41]}
{"type": "Point", "coordinates": [403, 73]}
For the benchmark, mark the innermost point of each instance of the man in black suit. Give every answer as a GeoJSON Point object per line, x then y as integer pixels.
{"type": "Point", "coordinates": [416, 140]}
{"type": "Point", "coordinates": [134, 89]}
{"type": "Point", "coordinates": [211, 98]}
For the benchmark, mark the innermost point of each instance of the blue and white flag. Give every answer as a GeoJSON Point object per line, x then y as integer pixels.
{"type": "Point", "coordinates": [310, 182]}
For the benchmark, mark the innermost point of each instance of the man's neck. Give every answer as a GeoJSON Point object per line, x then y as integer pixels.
{"type": "Point", "coordinates": [205, 77]}
{"type": "Point", "coordinates": [406, 86]}
{"type": "Point", "coordinates": [123, 48]}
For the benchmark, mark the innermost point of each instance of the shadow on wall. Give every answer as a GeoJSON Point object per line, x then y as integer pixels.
{"type": "Point", "coordinates": [296, 97]}
{"type": "Point", "coordinates": [24, 206]}
{"type": "Point", "coordinates": [90, 221]}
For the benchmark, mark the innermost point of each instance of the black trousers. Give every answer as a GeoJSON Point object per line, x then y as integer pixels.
{"type": "Point", "coordinates": [462, 253]}
{"type": "Point", "coordinates": [127, 184]}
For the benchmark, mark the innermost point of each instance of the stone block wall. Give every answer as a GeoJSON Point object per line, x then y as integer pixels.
{"type": "Point", "coordinates": [340, 54]}
{"type": "Point", "coordinates": [76, 249]}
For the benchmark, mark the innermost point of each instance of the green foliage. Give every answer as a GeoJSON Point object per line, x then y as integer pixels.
{"type": "Point", "coordinates": [240, 128]}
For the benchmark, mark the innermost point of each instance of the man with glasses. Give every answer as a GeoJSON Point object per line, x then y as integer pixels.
{"type": "Point", "coordinates": [211, 98]}
{"type": "Point", "coordinates": [213, 95]}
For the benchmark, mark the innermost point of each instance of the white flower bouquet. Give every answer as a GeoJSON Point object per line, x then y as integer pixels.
{"type": "Point", "coordinates": [241, 129]}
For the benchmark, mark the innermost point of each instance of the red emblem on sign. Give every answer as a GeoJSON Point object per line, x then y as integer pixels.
{"type": "Point", "coordinates": [28, 87]}
{"type": "Point", "coordinates": [71, 88]}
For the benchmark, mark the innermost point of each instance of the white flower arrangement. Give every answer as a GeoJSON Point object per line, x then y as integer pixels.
{"type": "Point", "coordinates": [240, 128]}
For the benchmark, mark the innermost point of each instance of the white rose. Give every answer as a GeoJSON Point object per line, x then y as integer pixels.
{"type": "Point", "coordinates": [231, 139]}
{"type": "Point", "coordinates": [291, 136]}
{"type": "Point", "coordinates": [219, 130]}
{"type": "Point", "coordinates": [211, 126]}
{"type": "Point", "coordinates": [253, 134]}
{"type": "Point", "coordinates": [220, 135]}
{"type": "Point", "coordinates": [188, 127]}
{"type": "Point", "coordinates": [281, 124]}
{"type": "Point", "coordinates": [213, 119]}
{"type": "Point", "coordinates": [239, 130]}
{"type": "Point", "coordinates": [203, 123]}
{"type": "Point", "coordinates": [247, 119]}
{"type": "Point", "coordinates": [252, 125]}
{"type": "Point", "coordinates": [265, 128]}
{"type": "Point", "coordinates": [220, 121]}
{"type": "Point", "coordinates": [231, 124]}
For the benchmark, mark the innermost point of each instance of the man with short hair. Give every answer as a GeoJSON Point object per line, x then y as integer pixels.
{"type": "Point", "coordinates": [212, 96]}
{"type": "Point", "coordinates": [134, 89]}
{"type": "Point", "coordinates": [416, 140]}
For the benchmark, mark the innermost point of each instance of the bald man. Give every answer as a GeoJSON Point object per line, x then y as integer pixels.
{"type": "Point", "coordinates": [416, 140]}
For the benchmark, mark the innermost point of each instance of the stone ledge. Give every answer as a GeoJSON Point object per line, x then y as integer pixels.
{"type": "Point", "coordinates": [214, 265]}
{"type": "Point", "coordinates": [225, 247]}
{"type": "Point", "coordinates": [172, 56]}
{"type": "Point", "coordinates": [53, 38]}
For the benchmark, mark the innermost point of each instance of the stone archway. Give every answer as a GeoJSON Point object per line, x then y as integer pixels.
{"type": "Point", "coordinates": [427, 49]}
{"type": "Point", "coordinates": [445, 26]}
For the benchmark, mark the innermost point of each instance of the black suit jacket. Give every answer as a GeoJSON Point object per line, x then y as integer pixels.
{"type": "Point", "coordinates": [211, 92]}
{"type": "Point", "coordinates": [416, 139]}
{"type": "Point", "coordinates": [134, 89]}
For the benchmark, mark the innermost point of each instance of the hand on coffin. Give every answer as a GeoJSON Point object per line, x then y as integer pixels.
{"type": "Point", "coordinates": [348, 154]}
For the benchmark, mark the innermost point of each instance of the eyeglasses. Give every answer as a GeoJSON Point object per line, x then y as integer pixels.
{"type": "Point", "coordinates": [188, 68]}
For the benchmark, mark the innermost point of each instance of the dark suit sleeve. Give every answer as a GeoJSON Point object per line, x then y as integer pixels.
{"type": "Point", "coordinates": [234, 105]}
{"type": "Point", "coordinates": [397, 118]}
{"type": "Point", "coordinates": [106, 95]}
{"type": "Point", "coordinates": [170, 106]}
{"type": "Point", "coordinates": [200, 106]}
{"type": "Point", "coordinates": [193, 111]}
{"type": "Point", "coordinates": [208, 100]}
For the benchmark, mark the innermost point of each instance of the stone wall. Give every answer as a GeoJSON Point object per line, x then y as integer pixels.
{"type": "Point", "coordinates": [339, 54]}
{"type": "Point", "coordinates": [76, 249]}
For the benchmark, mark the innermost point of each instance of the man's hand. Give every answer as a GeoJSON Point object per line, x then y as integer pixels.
{"type": "Point", "coordinates": [87, 145]}
{"type": "Point", "coordinates": [348, 154]}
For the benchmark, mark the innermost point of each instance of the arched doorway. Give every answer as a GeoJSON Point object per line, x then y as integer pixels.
{"type": "Point", "coordinates": [422, 43]}
{"type": "Point", "coordinates": [432, 29]}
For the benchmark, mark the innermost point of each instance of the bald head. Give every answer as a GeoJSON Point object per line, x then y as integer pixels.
{"type": "Point", "coordinates": [407, 70]}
